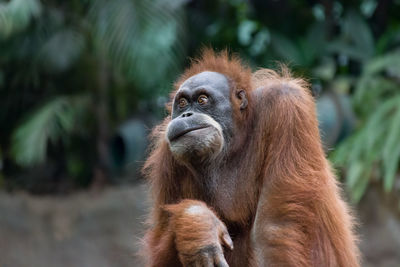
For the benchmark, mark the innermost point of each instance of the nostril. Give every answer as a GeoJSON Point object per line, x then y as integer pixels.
{"type": "Point", "coordinates": [187, 114]}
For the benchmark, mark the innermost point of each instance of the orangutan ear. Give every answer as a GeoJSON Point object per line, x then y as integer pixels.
{"type": "Point", "coordinates": [241, 95]}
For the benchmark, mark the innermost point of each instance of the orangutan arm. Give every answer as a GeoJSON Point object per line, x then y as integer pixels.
{"type": "Point", "coordinates": [192, 233]}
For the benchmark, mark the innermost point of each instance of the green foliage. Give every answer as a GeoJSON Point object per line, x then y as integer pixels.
{"type": "Point", "coordinates": [16, 15]}
{"type": "Point", "coordinates": [52, 122]}
{"type": "Point", "coordinates": [132, 49]}
{"type": "Point", "coordinates": [373, 152]}
{"type": "Point", "coordinates": [143, 38]}
{"type": "Point", "coordinates": [356, 40]}
{"type": "Point", "coordinates": [71, 42]}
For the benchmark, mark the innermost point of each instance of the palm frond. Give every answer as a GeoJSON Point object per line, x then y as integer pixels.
{"type": "Point", "coordinates": [143, 38]}
{"type": "Point", "coordinates": [375, 147]}
{"type": "Point", "coordinates": [376, 143]}
{"type": "Point", "coordinates": [51, 122]}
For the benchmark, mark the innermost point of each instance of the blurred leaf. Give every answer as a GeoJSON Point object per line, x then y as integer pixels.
{"type": "Point", "coordinates": [389, 39]}
{"type": "Point", "coordinates": [368, 7]}
{"type": "Point", "coordinates": [389, 62]}
{"type": "Point", "coordinates": [285, 48]}
{"type": "Point", "coordinates": [326, 70]}
{"type": "Point", "coordinates": [370, 90]}
{"type": "Point", "coordinates": [376, 142]}
{"type": "Point", "coordinates": [318, 12]}
{"type": "Point", "coordinates": [70, 42]}
{"type": "Point", "coordinates": [358, 31]}
{"type": "Point", "coordinates": [391, 150]}
{"type": "Point", "coordinates": [16, 14]}
{"type": "Point", "coordinates": [343, 84]}
{"type": "Point", "coordinates": [361, 186]}
{"type": "Point", "coordinates": [260, 42]}
{"type": "Point", "coordinates": [391, 166]}
{"type": "Point", "coordinates": [214, 28]}
{"type": "Point", "coordinates": [356, 41]}
{"type": "Point", "coordinates": [351, 51]}
{"type": "Point", "coordinates": [308, 54]}
{"type": "Point", "coordinates": [354, 173]}
{"type": "Point", "coordinates": [143, 38]}
{"type": "Point", "coordinates": [51, 122]}
{"type": "Point", "coordinates": [245, 31]}
{"type": "Point", "coordinates": [317, 39]}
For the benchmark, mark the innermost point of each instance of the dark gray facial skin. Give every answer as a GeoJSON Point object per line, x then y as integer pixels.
{"type": "Point", "coordinates": [200, 131]}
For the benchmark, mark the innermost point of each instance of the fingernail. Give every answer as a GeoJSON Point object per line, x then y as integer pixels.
{"type": "Point", "coordinates": [228, 241]}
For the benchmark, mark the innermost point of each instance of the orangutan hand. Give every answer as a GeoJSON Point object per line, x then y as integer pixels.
{"type": "Point", "coordinates": [199, 234]}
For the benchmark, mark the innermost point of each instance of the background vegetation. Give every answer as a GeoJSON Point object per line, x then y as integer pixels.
{"type": "Point", "coordinates": [71, 72]}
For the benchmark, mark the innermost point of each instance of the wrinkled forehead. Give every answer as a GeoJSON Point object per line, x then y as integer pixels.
{"type": "Point", "coordinates": [210, 79]}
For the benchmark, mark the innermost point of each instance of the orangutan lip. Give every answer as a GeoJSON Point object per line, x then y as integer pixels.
{"type": "Point", "coordinates": [187, 131]}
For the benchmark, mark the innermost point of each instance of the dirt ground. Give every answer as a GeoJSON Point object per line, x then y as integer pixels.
{"type": "Point", "coordinates": [82, 229]}
{"type": "Point", "coordinates": [103, 229]}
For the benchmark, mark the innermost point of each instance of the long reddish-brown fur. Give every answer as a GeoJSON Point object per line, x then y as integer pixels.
{"type": "Point", "coordinates": [277, 193]}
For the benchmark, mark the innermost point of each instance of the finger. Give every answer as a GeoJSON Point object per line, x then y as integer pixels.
{"type": "Point", "coordinates": [208, 261]}
{"type": "Point", "coordinates": [226, 240]}
{"type": "Point", "coordinates": [220, 260]}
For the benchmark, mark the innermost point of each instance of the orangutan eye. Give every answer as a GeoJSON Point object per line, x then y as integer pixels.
{"type": "Point", "coordinates": [183, 102]}
{"type": "Point", "coordinates": [203, 99]}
